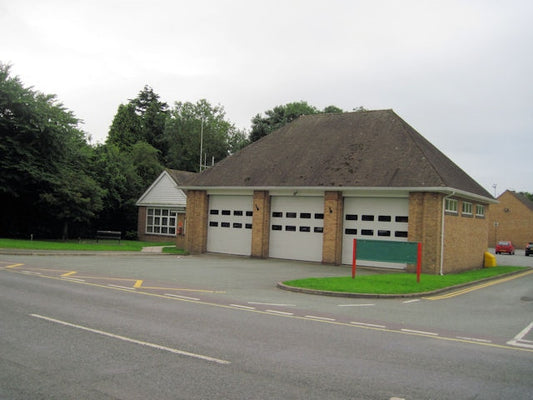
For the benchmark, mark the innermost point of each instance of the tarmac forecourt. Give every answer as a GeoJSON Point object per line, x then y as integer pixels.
{"type": "Point", "coordinates": [216, 298]}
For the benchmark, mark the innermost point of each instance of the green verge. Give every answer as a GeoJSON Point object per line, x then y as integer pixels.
{"type": "Point", "coordinates": [78, 245]}
{"type": "Point", "coordinates": [397, 283]}
{"type": "Point", "coordinates": [173, 250]}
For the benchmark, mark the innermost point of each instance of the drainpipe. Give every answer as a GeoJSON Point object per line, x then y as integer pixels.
{"type": "Point", "coordinates": [442, 230]}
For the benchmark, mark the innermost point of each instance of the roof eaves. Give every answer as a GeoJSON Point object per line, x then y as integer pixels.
{"type": "Point", "coordinates": [437, 189]}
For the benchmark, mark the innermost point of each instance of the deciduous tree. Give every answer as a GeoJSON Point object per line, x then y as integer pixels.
{"type": "Point", "coordinates": [44, 159]}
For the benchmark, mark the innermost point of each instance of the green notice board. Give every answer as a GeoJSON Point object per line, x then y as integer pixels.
{"type": "Point", "coordinates": [387, 251]}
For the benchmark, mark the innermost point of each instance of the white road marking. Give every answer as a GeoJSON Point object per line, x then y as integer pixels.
{"type": "Point", "coordinates": [411, 301]}
{"type": "Point", "coordinates": [241, 306]}
{"type": "Point", "coordinates": [271, 304]}
{"type": "Point", "coordinates": [67, 278]}
{"type": "Point", "coordinates": [369, 325]}
{"type": "Point", "coordinates": [130, 340]}
{"type": "Point", "coordinates": [320, 318]}
{"type": "Point", "coordinates": [279, 312]}
{"type": "Point", "coordinates": [474, 339]}
{"type": "Point", "coordinates": [181, 297]}
{"type": "Point", "coordinates": [419, 332]}
{"type": "Point", "coordinates": [519, 339]}
{"type": "Point", "coordinates": [120, 287]}
{"type": "Point", "coordinates": [356, 305]}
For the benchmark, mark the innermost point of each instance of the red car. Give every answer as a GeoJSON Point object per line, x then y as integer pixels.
{"type": "Point", "coordinates": [504, 246]}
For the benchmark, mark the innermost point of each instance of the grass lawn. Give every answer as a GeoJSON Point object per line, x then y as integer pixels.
{"type": "Point", "coordinates": [82, 245]}
{"type": "Point", "coordinates": [173, 250]}
{"type": "Point", "coordinates": [397, 283]}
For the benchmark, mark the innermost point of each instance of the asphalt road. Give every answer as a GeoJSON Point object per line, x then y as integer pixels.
{"type": "Point", "coordinates": [170, 327]}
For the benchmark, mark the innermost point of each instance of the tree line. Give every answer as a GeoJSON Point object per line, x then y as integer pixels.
{"type": "Point", "coordinates": [55, 184]}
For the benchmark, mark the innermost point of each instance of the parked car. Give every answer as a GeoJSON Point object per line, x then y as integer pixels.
{"type": "Point", "coordinates": [529, 248]}
{"type": "Point", "coordinates": [504, 246]}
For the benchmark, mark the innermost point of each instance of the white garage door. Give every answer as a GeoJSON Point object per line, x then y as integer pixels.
{"type": "Point", "coordinates": [296, 228]}
{"type": "Point", "coordinates": [230, 225]}
{"type": "Point", "coordinates": [376, 219]}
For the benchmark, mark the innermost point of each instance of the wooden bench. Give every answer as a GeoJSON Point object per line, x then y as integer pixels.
{"type": "Point", "coordinates": [108, 235]}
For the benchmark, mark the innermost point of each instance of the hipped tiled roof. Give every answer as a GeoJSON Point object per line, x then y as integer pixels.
{"type": "Point", "coordinates": [357, 149]}
{"type": "Point", "coordinates": [180, 177]}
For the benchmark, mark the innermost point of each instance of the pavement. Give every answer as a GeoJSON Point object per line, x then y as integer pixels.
{"type": "Point", "coordinates": [153, 249]}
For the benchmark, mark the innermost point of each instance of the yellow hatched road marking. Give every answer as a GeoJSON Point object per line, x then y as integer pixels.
{"type": "Point", "coordinates": [476, 287]}
{"type": "Point", "coordinates": [69, 273]}
{"type": "Point", "coordinates": [138, 284]}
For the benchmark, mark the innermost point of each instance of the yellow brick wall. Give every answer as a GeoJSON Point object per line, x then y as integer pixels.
{"type": "Point", "coordinates": [333, 223]}
{"type": "Point", "coordinates": [196, 217]}
{"type": "Point", "coordinates": [514, 221]}
{"type": "Point", "coordinates": [465, 240]}
{"type": "Point", "coordinates": [261, 224]}
{"type": "Point", "coordinates": [465, 237]}
{"type": "Point", "coordinates": [425, 226]}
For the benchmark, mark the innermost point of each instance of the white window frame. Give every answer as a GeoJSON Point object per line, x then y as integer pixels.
{"type": "Point", "coordinates": [451, 206]}
{"type": "Point", "coordinates": [467, 208]}
{"type": "Point", "coordinates": [161, 221]}
{"type": "Point", "coordinates": [480, 210]}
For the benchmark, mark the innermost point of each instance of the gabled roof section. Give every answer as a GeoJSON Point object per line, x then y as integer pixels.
{"type": "Point", "coordinates": [357, 149]}
{"type": "Point", "coordinates": [520, 197]}
{"type": "Point", "coordinates": [165, 191]}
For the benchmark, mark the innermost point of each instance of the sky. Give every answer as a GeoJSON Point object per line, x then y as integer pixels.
{"type": "Point", "coordinates": [459, 72]}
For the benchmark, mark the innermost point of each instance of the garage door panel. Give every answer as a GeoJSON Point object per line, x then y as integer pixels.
{"type": "Point", "coordinates": [376, 219]}
{"type": "Point", "coordinates": [296, 228]}
{"type": "Point", "coordinates": [230, 224]}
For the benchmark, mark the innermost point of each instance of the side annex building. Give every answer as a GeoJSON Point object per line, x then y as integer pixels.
{"type": "Point", "coordinates": [305, 191]}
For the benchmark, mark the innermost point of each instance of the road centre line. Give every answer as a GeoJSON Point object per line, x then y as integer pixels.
{"type": "Point", "coordinates": [280, 312]}
{"type": "Point", "coordinates": [121, 287]}
{"type": "Point", "coordinates": [134, 341]}
{"type": "Point", "coordinates": [419, 332]}
{"type": "Point", "coordinates": [368, 325]}
{"type": "Point", "coordinates": [182, 297]}
{"type": "Point", "coordinates": [68, 278]}
{"type": "Point", "coordinates": [411, 301]}
{"type": "Point", "coordinates": [320, 318]}
{"type": "Point", "coordinates": [241, 306]}
{"type": "Point", "coordinates": [474, 339]}
{"type": "Point", "coordinates": [271, 304]}
{"type": "Point", "coordinates": [476, 287]}
{"type": "Point", "coordinates": [182, 289]}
